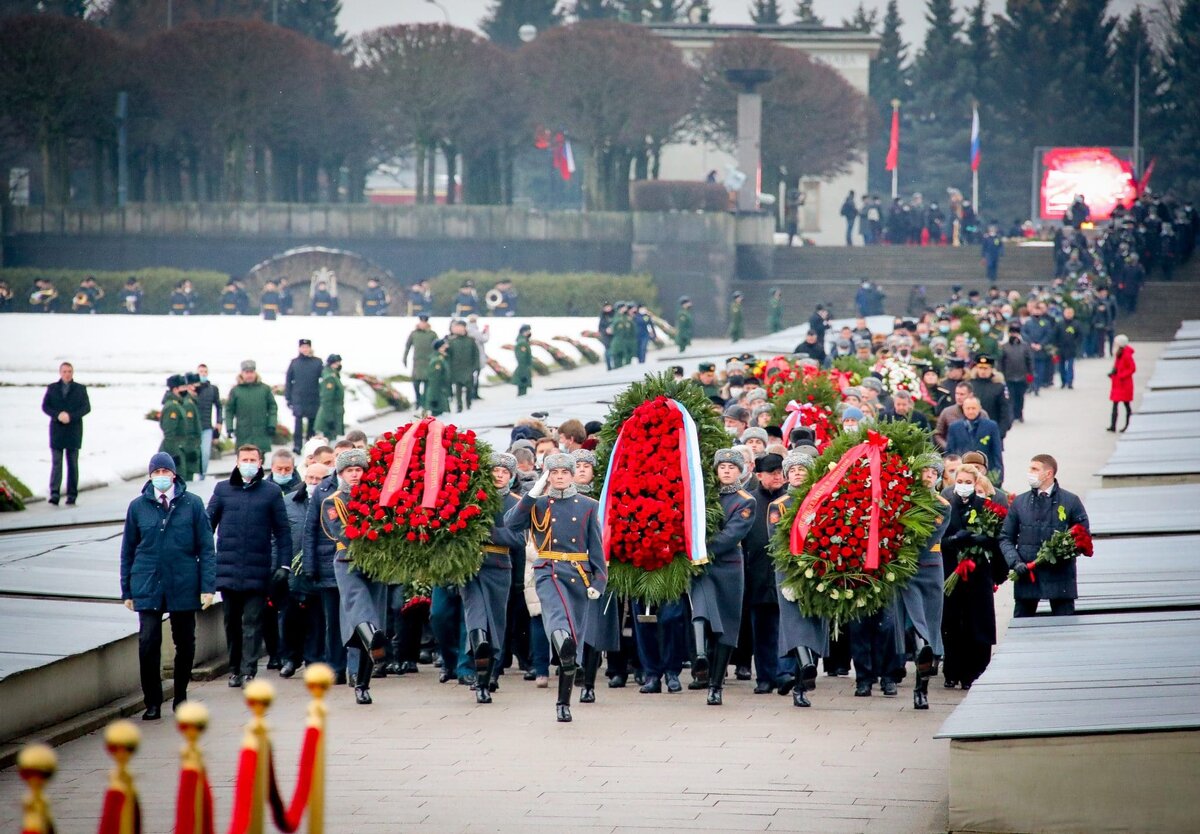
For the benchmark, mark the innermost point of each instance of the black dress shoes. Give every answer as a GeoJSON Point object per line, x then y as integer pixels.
{"type": "Point", "coordinates": [274, 663]}
{"type": "Point", "coordinates": [362, 695]}
{"type": "Point", "coordinates": [742, 673]}
{"type": "Point", "coordinates": [287, 670]}
{"type": "Point", "coordinates": [652, 686]}
{"type": "Point", "coordinates": [563, 713]}
{"type": "Point", "coordinates": [587, 695]}
{"type": "Point", "coordinates": [152, 713]}
{"type": "Point", "coordinates": [862, 690]}
{"type": "Point", "coordinates": [617, 681]}
{"type": "Point", "coordinates": [445, 676]}
{"type": "Point", "coordinates": [235, 681]}
{"type": "Point", "coordinates": [763, 687]}
{"type": "Point", "coordinates": [888, 687]}
{"type": "Point", "coordinates": [673, 684]}
{"type": "Point", "coordinates": [799, 699]}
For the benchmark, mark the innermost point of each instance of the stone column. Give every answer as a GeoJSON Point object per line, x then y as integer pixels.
{"type": "Point", "coordinates": [749, 130]}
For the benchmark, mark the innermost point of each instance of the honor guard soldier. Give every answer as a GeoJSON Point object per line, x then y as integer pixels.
{"type": "Point", "coordinates": [466, 301]}
{"type": "Point", "coordinates": [802, 637]}
{"type": "Point", "coordinates": [229, 299]}
{"type": "Point", "coordinates": [176, 426]}
{"type": "Point", "coordinates": [923, 598]}
{"type": "Point", "coordinates": [324, 303]}
{"type": "Point", "coordinates": [375, 299]}
{"type": "Point", "coordinates": [717, 593]}
{"type": "Point", "coordinates": [182, 300]}
{"type": "Point", "coordinates": [362, 600]}
{"type": "Point", "coordinates": [570, 568]}
{"type": "Point", "coordinates": [268, 302]}
{"type": "Point", "coordinates": [485, 597]}
{"type": "Point", "coordinates": [523, 377]}
{"type": "Point", "coordinates": [331, 408]}
{"type": "Point", "coordinates": [191, 413]}
{"type": "Point", "coordinates": [683, 323]}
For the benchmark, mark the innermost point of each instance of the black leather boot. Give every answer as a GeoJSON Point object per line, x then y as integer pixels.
{"type": "Point", "coordinates": [591, 663]}
{"type": "Point", "coordinates": [362, 680]}
{"type": "Point", "coordinates": [716, 678]}
{"type": "Point", "coordinates": [481, 651]}
{"type": "Point", "coordinates": [806, 675]}
{"type": "Point", "coordinates": [926, 663]}
{"type": "Point", "coordinates": [372, 641]}
{"type": "Point", "coordinates": [564, 645]}
{"type": "Point", "coordinates": [700, 661]}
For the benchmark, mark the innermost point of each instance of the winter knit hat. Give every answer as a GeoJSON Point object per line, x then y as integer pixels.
{"type": "Point", "coordinates": [506, 460]}
{"type": "Point", "coordinates": [584, 456]}
{"type": "Point", "coordinates": [872, 383]}
{"type": "Point", "coordinates": [558, 460]}
{"type": "Point", "coordinates": [755, 395]}
{"type": "Point", "coordinates": [730, 456]}
{"type": "Point", "coordinates": [352, 457]}
{"type": "Point", "coordinates": [755, 433]}
{"type": "Point", "coordinates": [161, 460]}
{"type": "Point", "coordinates": [796, 458]}
{"type": "Point", "coordinates": [249, 365]}
{"type": "Point", "coordinates": [852, 413]}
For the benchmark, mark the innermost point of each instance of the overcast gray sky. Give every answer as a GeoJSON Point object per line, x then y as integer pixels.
{"type": "Point", "coordinates": [360, 15]}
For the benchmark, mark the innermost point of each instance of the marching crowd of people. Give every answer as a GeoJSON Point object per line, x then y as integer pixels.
{"type": "Point", "coordinates": [271, 539]}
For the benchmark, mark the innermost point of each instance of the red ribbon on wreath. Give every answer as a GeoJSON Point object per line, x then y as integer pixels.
{"type": "Point", "coordinates": [872, 449]}
{"type": "Point", "coordinates": [434, 464]}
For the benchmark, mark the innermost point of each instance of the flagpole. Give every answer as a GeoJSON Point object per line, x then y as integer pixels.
{"type": "Point", "coordinates": [896, 166]}
{"type": "Point", "coordinates": [975, 191]}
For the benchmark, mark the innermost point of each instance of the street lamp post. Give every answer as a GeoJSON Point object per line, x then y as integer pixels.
{"type": "Point", "coordinates": [442, 8]}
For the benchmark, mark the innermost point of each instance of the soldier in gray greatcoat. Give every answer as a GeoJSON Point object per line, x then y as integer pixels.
{"type": "Point", "coordinates": [485, 597]}
{"type": "Point", "coordinates": [363, 600]}
{"type": "Point", "coordinates": [801, 637]}
{"type": "Point", "coordinates": [716, 594]}
{"type": "Point", "coordinates": [570, 568]}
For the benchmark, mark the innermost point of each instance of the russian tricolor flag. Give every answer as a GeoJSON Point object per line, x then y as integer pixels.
{"type": "Point", "coordinates": [974, 138]}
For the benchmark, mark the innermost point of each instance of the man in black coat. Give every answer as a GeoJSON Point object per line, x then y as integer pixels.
{"type": "Point", "coordinates": [254, 550]}
{"type": "Point", "coordinates": [761, 604]}
{"type": "Point", "coordinates": [811, 347]}
{"type": "Point", "coordinates": [1034, 517]}
{"type": "Point", "coordinates": [66, 404]}
{"type": "Point", "coordinates": [302, 390]}
{"type": "Point", "coordinates": [991, 393]}
{"type": "Point", "coordinates": [903, 410]}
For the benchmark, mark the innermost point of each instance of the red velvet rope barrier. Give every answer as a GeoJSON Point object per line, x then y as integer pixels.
{"type": "Point", "coordinates": [243, 797]}
{"type": "Point", "coordinates": [288, 820]}
{"type": "Point", "coordinates": [112, 812]}
{"type": "Point", "coordinates": [193, 805]}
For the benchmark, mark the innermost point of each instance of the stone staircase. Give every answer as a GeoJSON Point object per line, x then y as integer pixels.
{"type": "Point", "coordinates": [831, 275]}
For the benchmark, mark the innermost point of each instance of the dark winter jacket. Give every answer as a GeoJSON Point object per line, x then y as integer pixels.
{"type": "Point", "coordinates": [978, 435]}
{"type": "Point", "coordinates": [319, 549]}
{"type": "Point", "coordinates": [1016, 361]}
{"type": "Point", "coordinates": [302, 388]}
{"type": "Point", "coordinates": [74, 400]}
{"type": "Point", "coordinates": [167, 558]}
{"type": "Point", "coordinates": [296, 504]}
{"type": "Point", "coordinates": [760, 568]}
{"type": "Point", "coordinates": [208, 398]}
{"type": "Point", "coordinates": [1031, 520]}
{"type": "Point", "coordinates": [253, 538]}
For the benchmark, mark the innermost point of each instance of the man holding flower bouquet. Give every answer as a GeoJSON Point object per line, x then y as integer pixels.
{"type": "Point", "coordinates": [1044, 531]}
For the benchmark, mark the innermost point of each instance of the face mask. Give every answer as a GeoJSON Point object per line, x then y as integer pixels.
{"type": "Point", "coordinates": [985, 328]}
{"type": "Point", "coordinates": [735, 392]}
{"type": "Point", "coordinates": [540, 457]}
{"type": "Point", "coordinates": [943, 328]}
{"type": "Point", "coordinates": [204, 378]}
{"type": "Point", "coordinates": [1034, 480]}
{"type": "Point", "coordinates": [964, 490]}
{"type": "Point", "coordinates": [280, 479]}
{"type": "Point", "coordinates": [248, 470]}
{"type": "Point", "coordinates": [162, 482]}
{"type": "Point", "coordinates": [732, 432]}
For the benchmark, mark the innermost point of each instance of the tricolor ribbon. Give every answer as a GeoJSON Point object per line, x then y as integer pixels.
{"type": "Point", "coordinates": [795, 411]}
{"type": "Point", "coordinates": [872, 449]}
{"type": "Point", "coordinates": [434, 464]}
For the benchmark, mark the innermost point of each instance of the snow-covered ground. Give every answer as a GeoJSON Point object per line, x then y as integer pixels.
{"type": "Point", "coordinates": [125, 361]}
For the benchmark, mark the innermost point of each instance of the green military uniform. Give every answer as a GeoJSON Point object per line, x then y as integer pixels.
{"type": "Point", "coordinates": [736, 326]}
{"type": "Point", "coordinates": [420, 345]}
{"type": "Point", "coordinates": [683, 328]}
{"type": "Point", "coordinates": [191, 416]}
{"type": "Point", "coordinates": [624, 340]}
{"type": "Point", "coordinates": [437, 394]}
{"type": "Point", "coordinates": [774, 314]}
{"type": "Point", "coordinates": [462, 353]}
{"type": "Point", "coordinates": [251, 415]}
{"type": "Point", "coordinates": [523, 376]}
{"type": "Point", "coordinates": [176, 433]}
{"type": "Point", "coordinates": [331, 413]}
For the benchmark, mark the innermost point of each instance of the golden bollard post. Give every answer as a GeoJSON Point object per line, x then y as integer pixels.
{"type": "Point", "coordinates": [318, 678]}
{"type": "Point", "coordinates": [121, 740]}
{"type": "Point", "coordinates": [258, 695]}
{"type": "Point", "coordinates": [192, 803]}
{"type": "Point", "coordinates": [36, 765]}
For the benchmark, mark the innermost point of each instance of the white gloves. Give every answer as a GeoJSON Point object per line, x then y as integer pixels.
{"type": "Point", "coordinates": [593, 593]}
{"type": "Point", "coordinates": [540, 486]}
{"type": "Point", "coordinates": [206, 600]}
{"type": "Point", "coordinates": [788, 593]}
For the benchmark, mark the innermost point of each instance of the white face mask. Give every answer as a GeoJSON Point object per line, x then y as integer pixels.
{"type": "Point", "coordinates": [964, 490]}
{"type": "Point", "coordinates": [735, 392]}
{"type": "Point", "coordinates": [1034, 480]}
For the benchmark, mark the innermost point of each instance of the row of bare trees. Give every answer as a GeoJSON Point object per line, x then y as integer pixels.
{"type": "Point", "coordinates": [240, 110]}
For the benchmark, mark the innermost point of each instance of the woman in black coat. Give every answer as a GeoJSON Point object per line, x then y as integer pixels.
{"type": "Point", "coordinates": [969, 615]}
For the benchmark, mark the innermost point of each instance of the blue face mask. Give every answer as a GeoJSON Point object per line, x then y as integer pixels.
{"type": "Point", "coordinates": [985, 328]}
{"type": "Point", "coordinates": [204, 377]}
{"type": "Point", "coordinates": [162, 482]}
{"type": "Point", "coordinates": [943, 328]}
{"type": "Point", "coordinates": [248, 470]}
{"type": "Point", "coordinates": [280, 479]}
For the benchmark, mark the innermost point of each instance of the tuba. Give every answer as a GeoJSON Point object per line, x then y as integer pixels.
{"type": "Point", "coordinates": [493, 299]}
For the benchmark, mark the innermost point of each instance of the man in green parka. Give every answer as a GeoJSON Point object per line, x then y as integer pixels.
{"type": "Point", "coordinates": [462, 353]}
{"type": "Point", "coordinates": [683, 323]}
{"type": "Point", "coordinates": [437, 391]}
{"type": "Point", "coordinates": [331, 412]}
{"type": "Point", "coordinates": [624, 337]}
{"type": "Point", "coordinates": [176, 426]}
{"type": "Point", "coordinates": [736, 327]}
{"type": "Point", "coordinates": [251, 412]}
{"type": "Point", "coordinates": [523, 376]}
{"type": "Point", "coordinates": [420, 345]}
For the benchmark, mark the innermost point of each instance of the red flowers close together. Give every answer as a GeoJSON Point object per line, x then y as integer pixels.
{"type": "Point", "coordinates": [646, 501]}
{"type": "Point", "coordinates": [456, 503]}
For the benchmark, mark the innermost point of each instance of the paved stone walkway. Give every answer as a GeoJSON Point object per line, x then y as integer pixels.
{"type": "Point", "coordinates": [425, 758]}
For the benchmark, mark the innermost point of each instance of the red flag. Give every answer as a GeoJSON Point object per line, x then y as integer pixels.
{"type": "Point", "coordinates": [1144, 182]}
{"type": "Point", "coordinates": [563, 158]}
{"type": "Point", "coordinates": [541, 139]}
{"type": "Point", "coordinates": [893, 156]}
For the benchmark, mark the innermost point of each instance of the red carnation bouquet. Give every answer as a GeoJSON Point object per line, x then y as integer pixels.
{"type": "Point", "coordinates": [424, 507]}
{"type": "Point", "coordinates": [1060, 547]}
{"type": "Point", "coordinates": [988, 523]}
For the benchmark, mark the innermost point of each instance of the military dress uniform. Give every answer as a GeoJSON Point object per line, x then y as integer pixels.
{"type": "Point", "coordinates": [716, 594]}
{"type": "Point", "coordinates": [624, 339]}
{"type": "Point", "coordinates": [363, 601]}
{"type": "Point", "coordinates": [175, 428]}
{"type": "Point", "coordinates": [331, 410]}
{"type": "Point", "coordinates": [921, 601]}
{"type": "Point", "coordinates": [375, 301]}
{"type": "Point", "coordinates": [775, 313]}
{"type": "Point", "coordinates": [801, 636]}
{"type": "Point", "coordinates": [736, 325]}
{"type": "Point", "coordinates": [485, 597]}
{"type": "Point", "coordinates": [437, 392]}
{"type": "Point", "coordinates": [192, 427]}
{"type": "Point", "coordinates": [683, 327]}
{"type": "Point", "coordinates": [268, 305]}
{"type": "Point", "coordinates": [566, 532]}
{"type": "Point", "coordinates": [523, 376]}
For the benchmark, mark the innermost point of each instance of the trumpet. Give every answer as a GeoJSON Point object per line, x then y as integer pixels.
{"type": "Point", "coordinates": [493, 299]}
